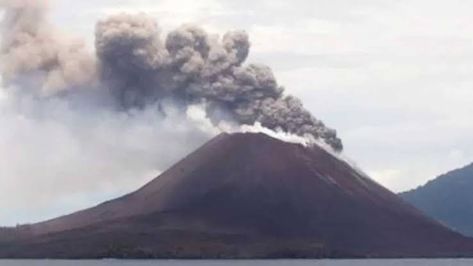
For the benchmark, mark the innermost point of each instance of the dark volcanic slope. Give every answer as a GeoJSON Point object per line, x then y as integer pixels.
{"type": "Point", "coordinates": [448, 198]}
{"type": "Point", "coordinates": [247, 195]}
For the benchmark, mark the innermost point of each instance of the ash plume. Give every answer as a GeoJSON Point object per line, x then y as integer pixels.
{"type": "Point", "coordinates": [138, 67]}
{"type": "Point", "coordinates": [34, 50]}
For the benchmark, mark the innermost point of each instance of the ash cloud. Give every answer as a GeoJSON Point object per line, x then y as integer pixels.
{"type": "Point", "coordinates": [33, 50]}
{"type": "Point", "coordinates": [193, 66]}
{"type": "Point", "coordinates": [138, 67]}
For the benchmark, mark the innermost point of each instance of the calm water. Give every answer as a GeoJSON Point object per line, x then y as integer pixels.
{"type": "Point", "coordinates": [455, 262]}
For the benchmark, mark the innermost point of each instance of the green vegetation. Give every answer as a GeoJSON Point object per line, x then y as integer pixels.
{"type": "Point", "coordinates": [448, 199]}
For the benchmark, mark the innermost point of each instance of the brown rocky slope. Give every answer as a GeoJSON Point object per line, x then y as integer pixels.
{"type": "Point", "coordinates": [246, 196]}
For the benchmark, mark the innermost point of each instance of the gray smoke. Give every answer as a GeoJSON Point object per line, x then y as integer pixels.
{"type": "Point", "coordinates": [32, 48]}
{"type": "Point", "coordinates": [140, 68]}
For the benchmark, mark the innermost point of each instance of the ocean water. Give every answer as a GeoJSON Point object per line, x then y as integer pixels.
{"type": "Point", "coordinates": [418, 262]}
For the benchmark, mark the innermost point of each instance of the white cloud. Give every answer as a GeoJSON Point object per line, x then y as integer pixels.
{"type": "Point", "coordinates": [56, 157]}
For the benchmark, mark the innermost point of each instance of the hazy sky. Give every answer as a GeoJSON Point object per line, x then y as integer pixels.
{"type": "Point", "coordinates": [394, 77]}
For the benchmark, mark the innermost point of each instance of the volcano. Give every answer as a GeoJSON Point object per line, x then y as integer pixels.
{"type": "Point", "coordinates": [246, 196]}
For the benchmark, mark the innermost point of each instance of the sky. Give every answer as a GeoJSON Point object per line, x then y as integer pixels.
{"type": "Point", "coordinates": [393, 77]}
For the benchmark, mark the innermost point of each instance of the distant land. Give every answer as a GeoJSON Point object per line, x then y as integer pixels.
{"type": "Point", "coordinates": [448, 198]}
{"type": "Point", "coordinates": [245, 196]}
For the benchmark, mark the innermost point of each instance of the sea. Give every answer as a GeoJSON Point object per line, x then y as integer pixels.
{"type": "Point", "coordinates": [392, 262]}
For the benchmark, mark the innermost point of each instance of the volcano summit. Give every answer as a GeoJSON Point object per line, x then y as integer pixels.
{"type": "Point", "coordinates": [246, 196]}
